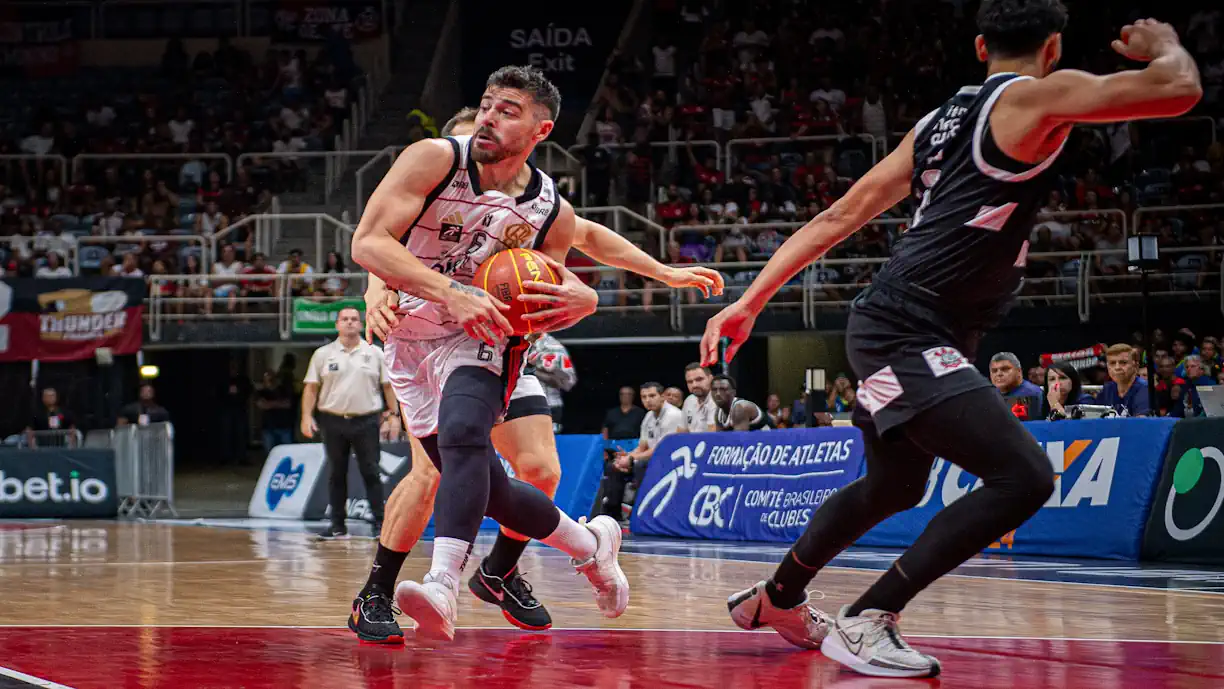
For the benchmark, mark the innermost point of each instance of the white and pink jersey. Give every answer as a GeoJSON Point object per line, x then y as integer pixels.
{"type": "Point", "coordinates": [460, 226]}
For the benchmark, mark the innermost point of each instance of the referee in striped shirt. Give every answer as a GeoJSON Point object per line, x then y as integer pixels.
{"type": "Point", "coordinates": [348, 381]}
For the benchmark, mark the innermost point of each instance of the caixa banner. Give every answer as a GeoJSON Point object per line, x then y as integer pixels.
{"type": "Point", "coordinates": [1106, 472]}
{"type": "Point", "coordinates": [744, 486]}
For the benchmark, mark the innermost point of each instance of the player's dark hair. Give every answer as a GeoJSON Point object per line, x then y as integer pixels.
{"type": "Point", "coordinates": [696, 365]}
{"type": "Point", "coordinates": [464, 116]}
{"type": "Point", "coordinates": [1017, 28]}
{"type": "Point", "coordinates": [729, 379]}
{"type": "Point", "coordinates": [658, 387]}
{"type": "Point", "coordinates": [532, 81]}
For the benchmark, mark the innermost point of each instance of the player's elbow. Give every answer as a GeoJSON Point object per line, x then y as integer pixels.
{"type": "Point", "coordinates": [364, 247]}
{"type": "Point", "coordinates": [1185, 93]}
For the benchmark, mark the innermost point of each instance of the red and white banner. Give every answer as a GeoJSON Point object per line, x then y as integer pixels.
{"type": "Point", "coordinates": [1079, 358]}
{"type": "Point", "coordinates": [68, 319]}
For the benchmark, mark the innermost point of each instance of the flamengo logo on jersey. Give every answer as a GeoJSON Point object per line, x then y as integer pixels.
{"type": "Point", "coordinates": [452, 228]}
{"type": "Point", "coordinates": [1089, 487]}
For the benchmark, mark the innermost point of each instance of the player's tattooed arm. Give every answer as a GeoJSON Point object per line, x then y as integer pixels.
{"type": "Point", "coordinates": [393, 207]}
{"type": "Point", "coordinates": [469, 289]}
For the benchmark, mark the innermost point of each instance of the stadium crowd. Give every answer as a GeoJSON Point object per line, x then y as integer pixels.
{"type": "Point", "coordinates": [717, 71]}
{"type": "Point", "coordinates": [182, 127]}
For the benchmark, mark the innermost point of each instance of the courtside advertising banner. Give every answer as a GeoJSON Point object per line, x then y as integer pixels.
{"type": "Point", "coordinates": [1106, 472]}
{"type": "Point", "coordinates": [68, 319]}
{"type": "Point", "coordinates": [59, 483]}
{"type": "Point", "coordinates": [312, 317]}
{"type": "Point", "coordinates": [292, 484]}
{"type": "Point", "coordinates": [752, 486]}
{"type": "Point", "coordinates": [1185, 524]}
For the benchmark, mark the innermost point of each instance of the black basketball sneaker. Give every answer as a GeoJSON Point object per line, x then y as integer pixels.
{"type": "Point", "coordinates": [373, 619]}
{"type": "Point", "coordinates": [513, 595]}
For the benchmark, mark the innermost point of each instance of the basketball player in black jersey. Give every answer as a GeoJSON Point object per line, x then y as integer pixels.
{"type": "Point", "coordinates": [979, 166]}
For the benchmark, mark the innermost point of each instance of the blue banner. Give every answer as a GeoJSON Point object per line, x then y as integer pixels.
{"type": "Point", "coordinates": [758, 486]}
{"type": "Point", "coordinates": [1106, 471]}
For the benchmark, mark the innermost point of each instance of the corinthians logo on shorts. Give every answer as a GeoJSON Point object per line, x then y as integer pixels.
{"type": "Point", "coordinates": [81, 314]}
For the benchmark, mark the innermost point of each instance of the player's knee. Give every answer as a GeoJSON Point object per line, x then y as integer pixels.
{"type": "Point", "coordinates": [466, 430]}
{"type": "Point", "coordinates": [1030, 478]}
{"type": "Point", "coordinates": [541, 471]}
{"type": "Point", "coordinates": [892, 495]}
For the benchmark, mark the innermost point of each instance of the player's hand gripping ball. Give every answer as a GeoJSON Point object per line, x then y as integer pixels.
{"type": "Point", "coordinates": [502, 275]}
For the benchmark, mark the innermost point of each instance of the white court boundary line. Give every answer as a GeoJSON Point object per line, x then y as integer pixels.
{"type": "Point", "coordinates": [31, 679]}
{"type": "Point", "coordinates": [511, 630]}
{"type": "Point", "coordinates": [1127, 587]}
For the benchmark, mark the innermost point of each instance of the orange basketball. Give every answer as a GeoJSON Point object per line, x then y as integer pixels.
{"type": "Point", "coordinates": [503, 274]}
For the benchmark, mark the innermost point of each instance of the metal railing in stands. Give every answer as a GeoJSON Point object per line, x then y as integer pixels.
{"type": "Point", "coordinates": [623, 219]}
{"type": "Point", "coordinates": [1154, 210]}
{"type": "Point", "coordinates": [47, 158]}
{"type": "Point", "coordinates": [65, 245]}
{"type": "Point", "coordinates": [206, 253]}
{"type": "Point", "coordinates": [185, 157]}
{"type": "Point", "coordinates": [64, 437]}
{"type": "Point", "coordinates": [389, 153]}
{"type": "Point", "coordinates": [266, 222]}
{"type": "Point", "coordinates": [671, 147]}
{"type": "Point", "coordinates": [548, 154]}
{"type": "Point", "coordinates": [729, 157]}
{"type": "Point", "coordinates": [335, 163]}
{"type": "Point", "coordinates": [354, 284]}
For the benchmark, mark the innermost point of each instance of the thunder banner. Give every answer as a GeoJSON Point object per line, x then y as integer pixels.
{"type": "Point", "coordinates": [67, 319]}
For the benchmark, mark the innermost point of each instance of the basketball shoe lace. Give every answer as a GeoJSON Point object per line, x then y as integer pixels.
{"type": "Point", "coordinates": [882, 636]}
{"type": "Point", "coordinates": [520, 589]}
{"type": "Point", "coordinates": [379, 608]}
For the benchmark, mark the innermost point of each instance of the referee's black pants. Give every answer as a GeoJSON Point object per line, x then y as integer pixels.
{"type": "Point", "coordinates": [358, 434]}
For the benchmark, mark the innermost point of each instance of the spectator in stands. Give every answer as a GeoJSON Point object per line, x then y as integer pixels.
{"type": "Point", "coordinates": [773, 408]}
{"type": "Point", "coordinates": [674, 397]}
{"type": "Point", "coordinates": [1196, 373]}
{"type": "Point", "coordinates": [597, 160]}
{"type": "Point", "coordinates": [195, 288]}
{"type": "Point", "coordinates": [259, 288]}
{"type": "Point", "coordinates": [660, 420]}
{"type": "Point", "coordinates": [1037, 375]}
{"type": "Point", "coordinates": [1008, 377]}
{"type": "Point", "coordinates": [211, 220]}
{"type": "Point", "coordinates": [841, 395]}
{"type": "Point", "coordinates": [1210, 355]}
{"type": "Point", "coordinates": [1063, 387]}
{"type": "Point", "coordinates": [129, 267]}
{"type": "Point", "coordinates": [623, 422]}
{"type": "Point", "coordinates": [54, 267]}
{"type": "Point", "coordinates": [225, 282]}
{"type": "Point", "coordinates": [51, 421]}
{"type": "Point", "coordinates": [294, 265]}
{"type": "Point", "coordinates": [145, 410]}
{"type": "Point", "coordinates": [1126, 392]}
{"type": "Point", "coordinates": [334, 286]}
{"type": "Point", "coordinates": [1166, 379]}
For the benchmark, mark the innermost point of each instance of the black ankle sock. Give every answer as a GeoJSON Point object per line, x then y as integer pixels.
{"type": "Point", "coordinates": [386, 569]}
{"type": "Point", "coordinates": [788, 587]}
{"type": "Point", "coordinates": [505, 555]}
{"type": "Point", "coordinates": [889, 593]}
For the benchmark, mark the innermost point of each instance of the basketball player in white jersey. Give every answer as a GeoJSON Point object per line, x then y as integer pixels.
{"type": "Point", "coordinates": [442, 210]}
{"type": "Point", "coordinates": [524, 438]}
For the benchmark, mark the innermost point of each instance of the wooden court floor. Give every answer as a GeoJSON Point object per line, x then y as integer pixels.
{"type": "Point", "coordinates": [106, 604]}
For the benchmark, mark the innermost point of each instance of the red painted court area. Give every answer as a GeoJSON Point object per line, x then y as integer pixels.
{"type": "Point", "coordinates": [255, 658]}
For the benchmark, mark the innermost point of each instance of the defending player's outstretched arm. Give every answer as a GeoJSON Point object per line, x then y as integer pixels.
{"type": "Point", "coordinates": [572, 300]}
{"type": "Point", "coordinates": [1169, 86]}
{"type": "Point", "coordinates": [609, 248]}
{"type": "Point", "coordinates": [881, 188]}
{"type": "Point", "coordinates": [394, 206]}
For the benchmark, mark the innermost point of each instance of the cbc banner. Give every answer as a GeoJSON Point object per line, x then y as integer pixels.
{"type": "Point", "coordinates": [757, 486]}
{"type": "Point", "coordinates": [1185, 523]}
{"type": "Point", "coordinates": [1106, 473]}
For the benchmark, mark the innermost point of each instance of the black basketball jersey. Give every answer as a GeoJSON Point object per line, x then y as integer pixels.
{"type": "Point", "coordinates": [722, 419]}
{"type": "Point", "coordinates": [968, 240]}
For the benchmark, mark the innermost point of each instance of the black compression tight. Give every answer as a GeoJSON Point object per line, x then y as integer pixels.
{"type": "Point", "coordinates": [474, 482]}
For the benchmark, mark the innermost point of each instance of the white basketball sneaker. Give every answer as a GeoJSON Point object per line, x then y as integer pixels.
{"type": "Point", "coordinates": [802, 625]}
{"type": "Point", "coordinates": [433, 604]}
{"type": "Point", "coordinates": [602, 570]}
{"type": "Point", "coordinates": [870, 644]}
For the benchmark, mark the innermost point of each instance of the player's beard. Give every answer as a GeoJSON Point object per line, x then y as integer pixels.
{"type": "Point", "coordinates": [495, 155]}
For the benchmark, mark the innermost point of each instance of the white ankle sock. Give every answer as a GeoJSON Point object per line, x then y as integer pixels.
{"type": "Point", "coordinates": [573, 539]}
{"type": "Point", "coordinates": [450, 555]}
